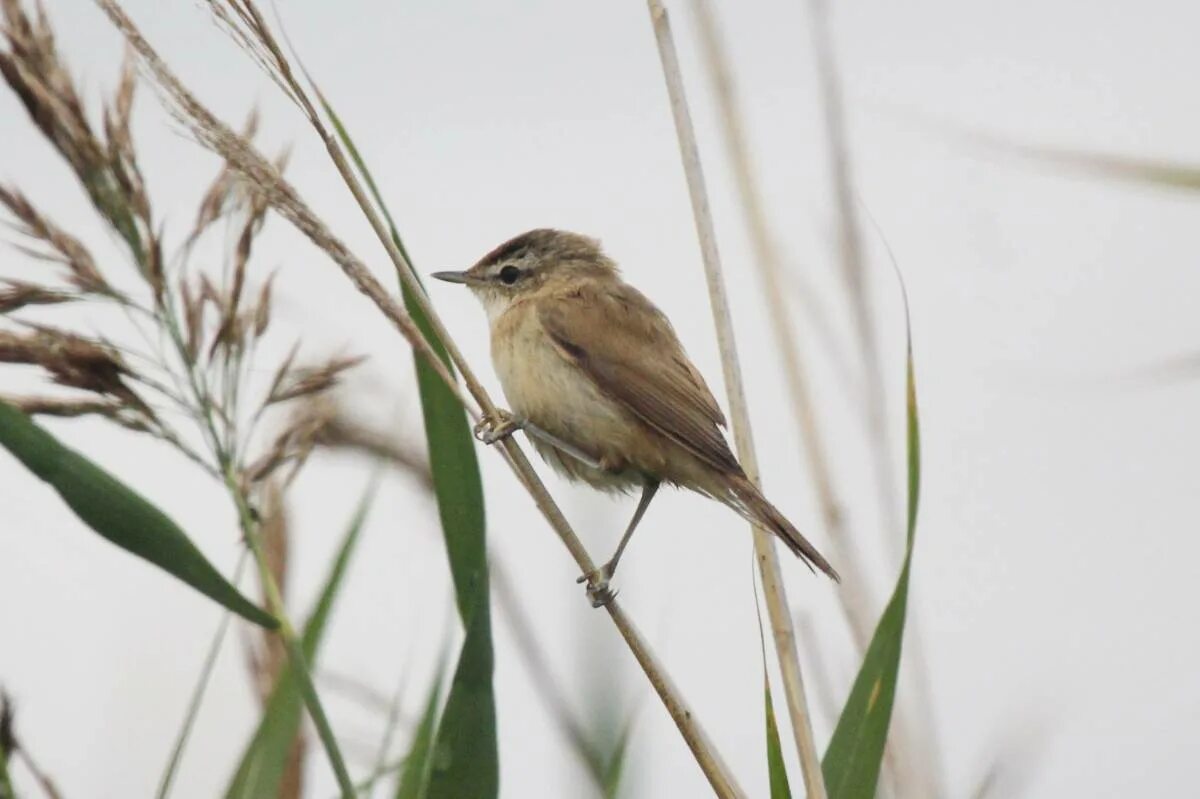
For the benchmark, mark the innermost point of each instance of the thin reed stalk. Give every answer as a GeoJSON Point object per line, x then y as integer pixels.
{"type": "Point", "coordinates": [202, 682]}
{"type": "Point", "coordinates": [854, 275]}
{"type": "Point", "coordinates": [855, 601]}
{"type": "Point", "coordinates": [245, 159]}
{"type": "Point", "coordinates": [764, 546]}
{"type": "Point", "coordinates": [910, 760]}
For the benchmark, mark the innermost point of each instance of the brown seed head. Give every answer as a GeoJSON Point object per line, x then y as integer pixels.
{"type": "Point", "coordinates": [72, 361]}
{"type": "Point", "coordinates": [65, 248]}
{"type": "Point", "coordinates": [18, 294]}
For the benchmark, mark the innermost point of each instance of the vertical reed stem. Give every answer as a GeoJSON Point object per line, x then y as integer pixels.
{"type": "Point", "coordinates": [768, 561]}
{"type": "Point", "coordinates": [854, 599]}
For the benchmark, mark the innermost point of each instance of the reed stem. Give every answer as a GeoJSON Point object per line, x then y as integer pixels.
{"type": "Point", "coordinates": [764, 546]}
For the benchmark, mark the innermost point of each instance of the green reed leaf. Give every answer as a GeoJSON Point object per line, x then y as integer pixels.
{"type": "Point", "coordinates": [414, 779]}
{"type": "Point", "coordinates": [465, 760]}
{"type": "Point", "coordinates": [776, 769]}
{"type": "Point", "coordinates": [118, 513]}
{"type": "Point", "coordinates": [852, 761]}
{"type": "Point", "coordinates": [615, 770]}
{"type": "Point", "coordinates": [6, 788]}
{"type": "Point", "coordinates": [262, 766]}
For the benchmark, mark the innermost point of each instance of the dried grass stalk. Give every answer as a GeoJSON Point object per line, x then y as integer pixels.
{"type": "Point", "coordinates": [63, 408]}
{"type": "Point", "coordinates": [253, 167]}
{"type": "Point", "coordinates": [855, 277]}
{"type": "Point", "coordinates": [905, 773]}
{"type": "Point", "coordinates": [764, 546]}
{"type": "Point", "coordinates": [854, 599]}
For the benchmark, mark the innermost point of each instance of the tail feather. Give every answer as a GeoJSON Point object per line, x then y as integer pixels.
{"type": "Point", "coordinates": [751, 505]}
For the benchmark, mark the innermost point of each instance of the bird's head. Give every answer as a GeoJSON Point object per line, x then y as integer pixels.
{"type": "Point", "coordinates": [533, 260]}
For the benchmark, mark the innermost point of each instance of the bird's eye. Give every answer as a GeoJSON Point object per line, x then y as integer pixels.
{"type": "Point", "coordinates": [509, 275]}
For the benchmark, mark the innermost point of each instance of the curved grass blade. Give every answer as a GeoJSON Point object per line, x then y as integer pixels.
{"type": "Point", "coordinates": [615, 770]}
{"type": "Point", "coordinates": [852, 761]}
{"type": "Point", "coordinates": [780, 789]}
{"type": "Point", "coordinates": [391, 723]}
{"type": "Point", "coordinates": [776, 770]}
{"type": "Point", "coordinates": [466, 761]}
{"type": "Point", "coordinates": [8, 745]}
{"type": "Point", "coordinates": [1132, 169]}
{"type": "Point", "coordinates": [418, 762]}
{"type": "Point", "coordinates": [118, 513]}
{"type": "Point", "coordinates": [604, 742]}
{"type": "Point", "coordinates": [6, 788]}
{"type": "Point", "coordinates": [262, 766]}
{"type": "Point", "coordinates": [193, 711]}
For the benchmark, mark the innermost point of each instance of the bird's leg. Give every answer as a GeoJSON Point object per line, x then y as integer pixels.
{"type": "Point", "coordinates": [497, 427]}
{"type": "Point", "coordinates": [597, 580]}
{"type": "Point", "coordinates": [503, 424]}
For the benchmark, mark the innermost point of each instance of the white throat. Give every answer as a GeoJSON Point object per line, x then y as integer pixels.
{"type": "Point", "coordinates": [494, 305]}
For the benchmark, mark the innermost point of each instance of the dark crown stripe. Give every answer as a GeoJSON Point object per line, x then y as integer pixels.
{"type": "Point", "coordinates": [511, 247]}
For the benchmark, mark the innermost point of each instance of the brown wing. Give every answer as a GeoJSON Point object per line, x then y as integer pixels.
{"type": "Point", "coordinates": [627, 346]}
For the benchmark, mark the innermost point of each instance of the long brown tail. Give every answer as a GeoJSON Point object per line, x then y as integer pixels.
{"type": "Point", "coordinates": [749, 502]}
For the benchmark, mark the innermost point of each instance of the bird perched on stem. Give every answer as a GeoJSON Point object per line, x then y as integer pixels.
{"type": "Point", "coordinates": [597, 378]}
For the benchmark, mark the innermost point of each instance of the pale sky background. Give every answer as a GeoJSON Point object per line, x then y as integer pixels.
{"type": "Point", "coordinates": [1055, 582]}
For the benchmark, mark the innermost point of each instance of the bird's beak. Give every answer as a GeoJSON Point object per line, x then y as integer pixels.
{"type": "Point", "coordinates": [452, 277]}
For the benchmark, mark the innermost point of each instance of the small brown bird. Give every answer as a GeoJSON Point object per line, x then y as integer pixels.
{"type": "Point", "coordinates": [596, 376]}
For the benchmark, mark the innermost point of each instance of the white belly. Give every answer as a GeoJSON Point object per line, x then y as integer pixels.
{"type": "Point", "coordinates": [541, 385]}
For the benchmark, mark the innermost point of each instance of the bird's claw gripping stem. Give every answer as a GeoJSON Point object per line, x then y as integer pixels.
{"type": "Point", "coordinates": [598, 589]}
{"type": "Point", "coordinates": [497, 427]}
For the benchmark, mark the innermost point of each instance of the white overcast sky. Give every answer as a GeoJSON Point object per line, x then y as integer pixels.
{"type": "Point", "coordinates": [1055, 583]}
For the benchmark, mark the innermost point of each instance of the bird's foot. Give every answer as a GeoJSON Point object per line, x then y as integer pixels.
{"type": "Point", "coordinates": [598, 589]}
{"type": "Point", "coordinates": [497, 427]}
